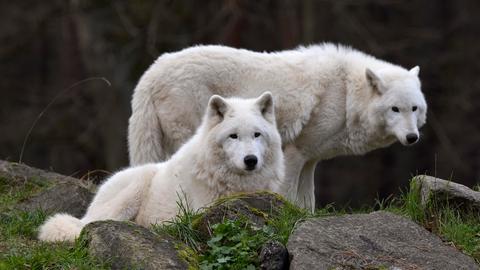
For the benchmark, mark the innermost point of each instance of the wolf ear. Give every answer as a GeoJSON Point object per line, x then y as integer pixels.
{"type": "Point", "coordinates": [265, 105]}
{"type": "Point", "coordinates": [375, 81]}
{"type": "Point", "coordinates": [415, 70]}
{"type": "Point", "coordinates": [217, 107]}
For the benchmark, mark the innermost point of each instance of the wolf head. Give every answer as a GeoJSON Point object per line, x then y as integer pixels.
{"type": "Point", "coordinates": [399, 105]}
{"type": "Point", "coordinates": [243, 133]}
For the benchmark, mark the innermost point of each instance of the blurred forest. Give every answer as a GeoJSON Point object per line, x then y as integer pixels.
{"type": "Point", "coordinates": [49, 49]}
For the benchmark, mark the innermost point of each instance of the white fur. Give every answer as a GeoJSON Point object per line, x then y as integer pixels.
{"type": "Point", "coordinates": [61, 227]}
{"type": "Point", "coordinates": [330, 101]}
{"type": "Point", "coordinates": [211, 164]}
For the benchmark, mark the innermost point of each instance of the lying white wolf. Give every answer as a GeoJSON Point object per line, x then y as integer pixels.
{"type": "Point", "coordinates": [237, 148]}
{"type": "Point", "coordinates": [330, 101]}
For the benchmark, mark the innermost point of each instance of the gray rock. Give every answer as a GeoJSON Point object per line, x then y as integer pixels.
{"type": "Point", "coordinates": [447, 192]}
{"type": "Point", "coordinates": [64, 198]}
{"type": "Point", "coordinates": [53, 192]}
{"type": "Point", "coordinates": [371, 241]}
{"type": "Point", "coordinates": [273, 256]}
{"type": "Point", "coordinates": [19, 173]}
{"type": "Point", "coordinates": [253, 207]}
{"type": "Point", "coordinates": [129, 246]}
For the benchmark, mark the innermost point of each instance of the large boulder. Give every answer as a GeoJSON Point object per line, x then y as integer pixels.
{"type": "Point", "coordinates": [47, 191]}
{"type": "Point", "coordinates": [128, 246]}
{"type": "Point", "coordinates": [445, 192]}
{"type": "Point", "coordinates": [62, 198]}
{"type": "Point", "coordinates": [379, 240]}
{"type": "Point", "coordinates": [19, 173]}
{"type": "Point", "coordinates": [254, 208]}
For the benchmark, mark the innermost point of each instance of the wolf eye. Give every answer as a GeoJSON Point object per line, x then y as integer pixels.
{"type": "Point", "coordinates": [233, 136]}
{"type": "Point", "coordinates": [414, 108]}
{"type": "Point", "coordinates": [395, 109]}
{"type": "Point", "coordinates": [257, 134]}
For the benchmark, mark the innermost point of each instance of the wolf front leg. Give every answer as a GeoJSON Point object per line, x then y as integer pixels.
{"type": "Point", "coordinates": [294, 163]}
{"type": "Point", "coordinates": [306, 186]}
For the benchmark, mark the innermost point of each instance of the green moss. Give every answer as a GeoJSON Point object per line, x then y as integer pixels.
{"type": "Point", "coordinates": [243, 195]}
{"type": "Point", "coordinates": [189, 255]}
{"type": "Point", "coordinates": [259, 213]}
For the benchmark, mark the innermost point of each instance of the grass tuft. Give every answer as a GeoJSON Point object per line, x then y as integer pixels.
{"type": "Point", "coordinates": [181, 226]}
{"type": "Point", "coordinates": [411, 204]}
{"type": "Point", "coordinates": [461, 231]}
{"type": "Point", "coordinates": [21, 224]}
{"type": "Point", "coordinates": [286, 220]}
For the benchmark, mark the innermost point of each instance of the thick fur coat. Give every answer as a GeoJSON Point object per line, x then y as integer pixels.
{"type": "Point", "coordinates": [237, 148]}
{"type": "Point", "coordinates": [330, 101]}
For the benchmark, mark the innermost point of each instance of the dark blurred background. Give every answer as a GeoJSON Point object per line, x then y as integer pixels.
{"type": "Point", "coordinates": [49, 48]}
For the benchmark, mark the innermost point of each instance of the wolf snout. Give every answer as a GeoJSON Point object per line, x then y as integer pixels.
{"type": "Point", "coordinates": [412, 138]}
{"type": "Point", "coordinates": [250, 162]}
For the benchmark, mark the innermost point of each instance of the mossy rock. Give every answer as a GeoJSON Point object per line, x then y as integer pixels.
{"type": "Point", "coordinates": [255, 208]}
{"type": "Point", "coordinates": [31, 189]}
{"type": "Point", "coordinates": [15, 173]}
{"type": "Point", "coordinates": [64, 198]}
{"type": "Point", "coordinates": [126, 245]}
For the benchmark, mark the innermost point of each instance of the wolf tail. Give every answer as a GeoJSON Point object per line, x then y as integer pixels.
{"type": "Point", "coordinates": [144, 129]}
{"type": "Point", "coordinates": [61, 227]}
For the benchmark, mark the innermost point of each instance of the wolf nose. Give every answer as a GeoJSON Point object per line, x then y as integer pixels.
{"type": "Point", "coordinates": [251, 162]}
{"type": "Point", "coordinates": [412, 138]}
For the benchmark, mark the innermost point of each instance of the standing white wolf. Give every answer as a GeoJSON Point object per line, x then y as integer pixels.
{"type": "Point", "coordinates": [330, 101]}
{"type": "Point", "coordinates": [237, 148]}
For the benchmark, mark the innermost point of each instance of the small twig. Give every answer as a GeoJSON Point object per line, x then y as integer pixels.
{"type": "Point", "coordinates": [51, 103]}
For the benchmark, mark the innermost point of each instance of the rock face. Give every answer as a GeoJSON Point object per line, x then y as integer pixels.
{"type": "Point", "coordinates": [371, 241]}
{"type": "Point", "coordinates": [129, 246]}
{"type": "Point", "coordinates": [447, 192]}
{"type": "Point", "coordinates": [62, 198]}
